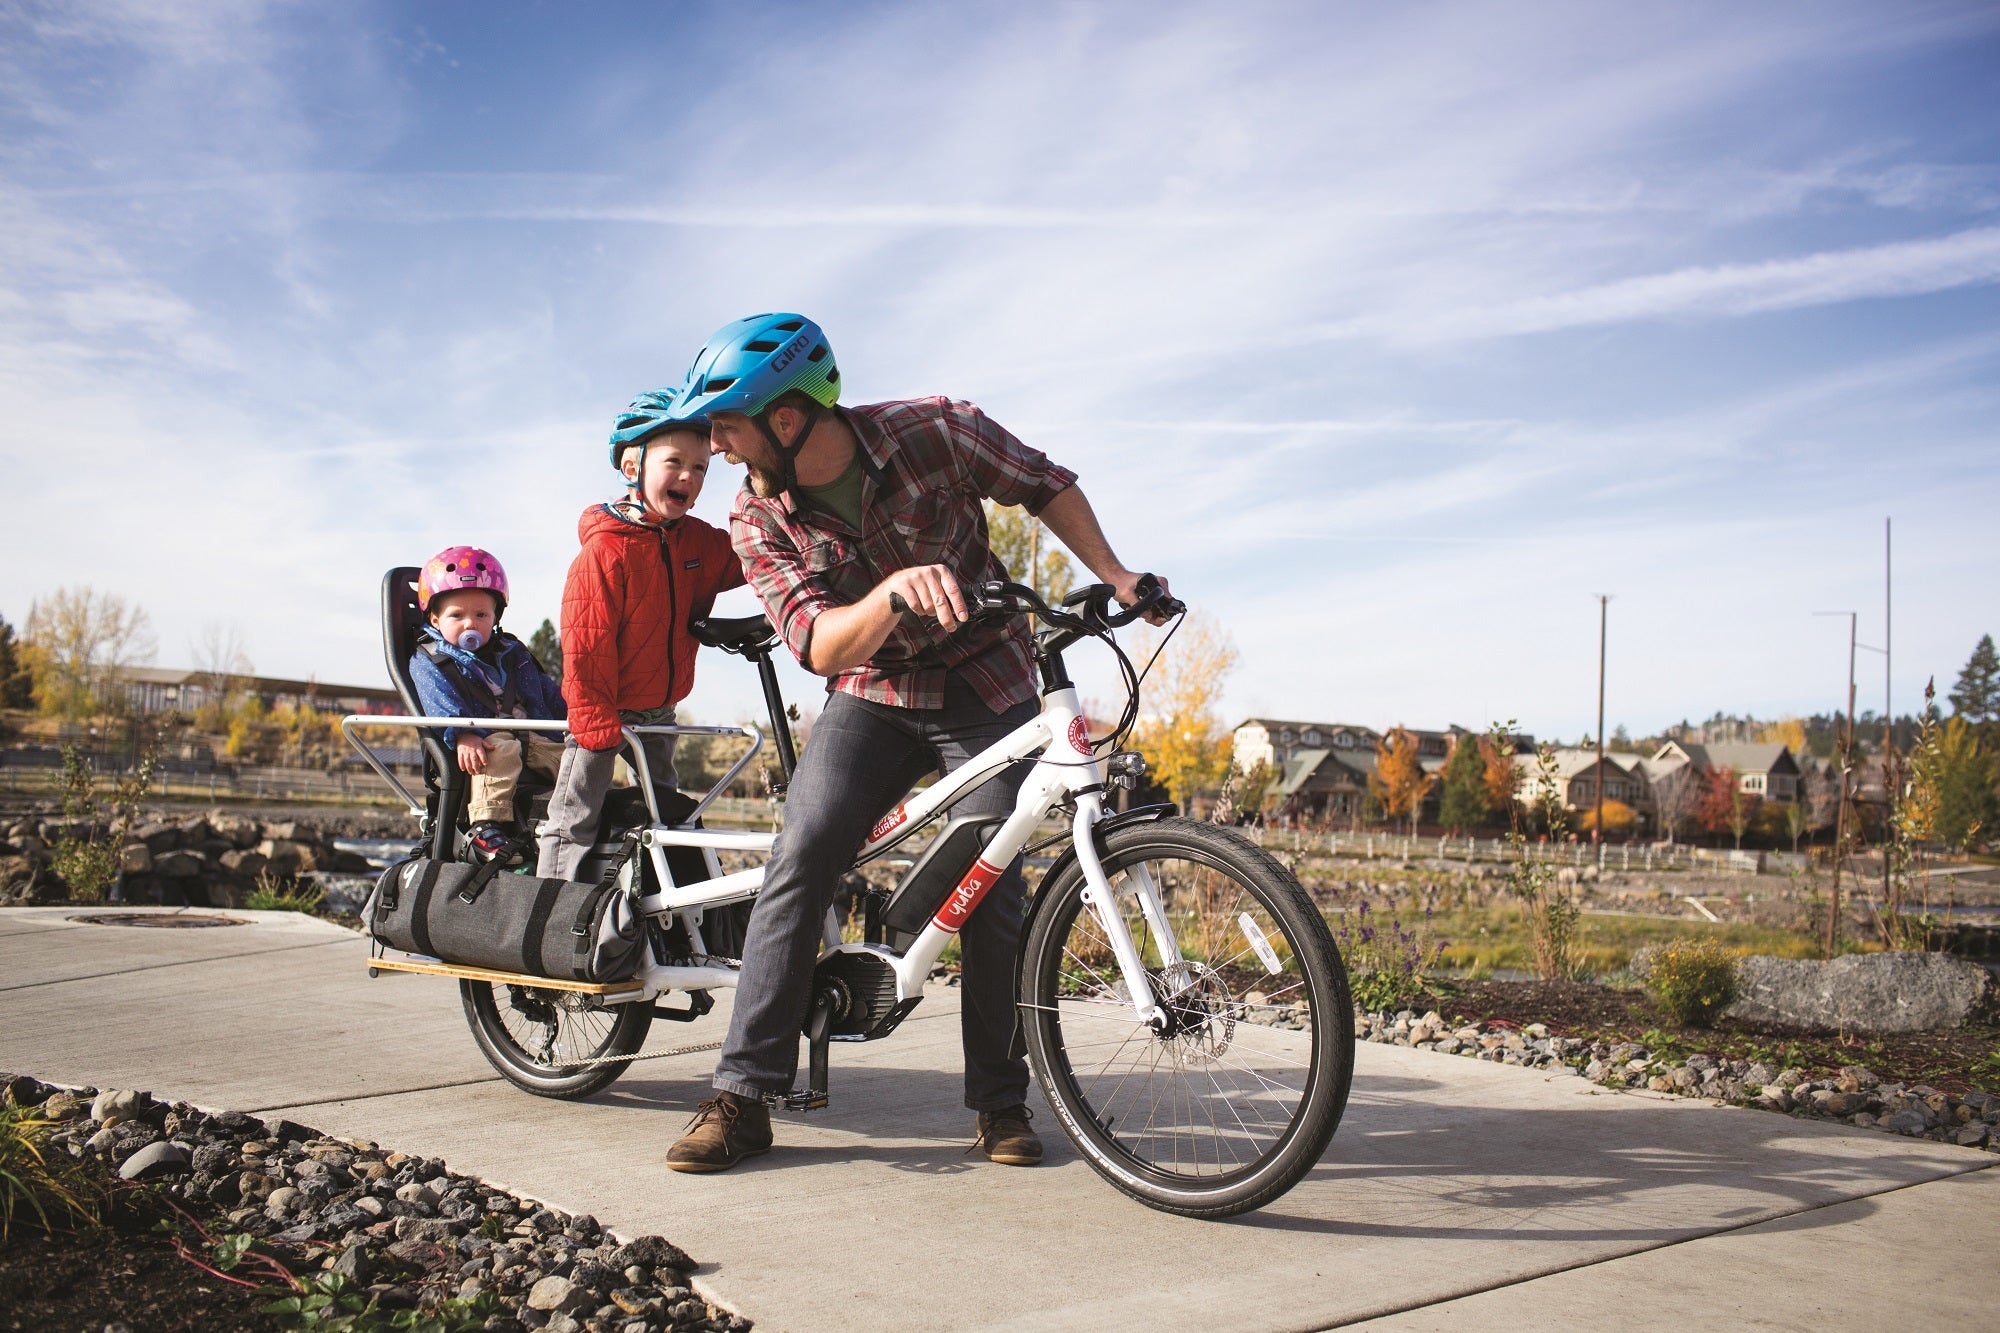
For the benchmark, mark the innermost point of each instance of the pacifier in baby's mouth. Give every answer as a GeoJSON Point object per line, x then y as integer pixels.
{"type": "Point", "coordinates": [471, 640]}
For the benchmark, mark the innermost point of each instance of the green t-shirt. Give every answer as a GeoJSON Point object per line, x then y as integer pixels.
{"type": "Point", "coordinates": [840, 497]}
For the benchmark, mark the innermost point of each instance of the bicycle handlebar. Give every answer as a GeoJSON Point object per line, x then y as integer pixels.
{"type": "Point", "coordinates": [1086, 609]}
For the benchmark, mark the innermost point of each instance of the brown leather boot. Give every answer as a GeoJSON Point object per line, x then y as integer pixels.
{"type": "Point", "coordinates": [725, 1130]}
{"type": "Point", "coordinates": [1005, 1136]}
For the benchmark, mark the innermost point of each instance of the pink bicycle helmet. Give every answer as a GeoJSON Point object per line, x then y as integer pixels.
{"type": "Point", "coordinates": [457, 567]}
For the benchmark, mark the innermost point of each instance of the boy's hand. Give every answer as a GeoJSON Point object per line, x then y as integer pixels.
{"type": "Point", "coordinates": [472, 754]}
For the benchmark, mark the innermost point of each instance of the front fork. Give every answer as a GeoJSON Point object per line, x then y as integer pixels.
{"type": "Point", "coordinates": [1102, 901]}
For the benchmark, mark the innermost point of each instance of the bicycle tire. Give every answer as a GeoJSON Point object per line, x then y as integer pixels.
{"type": "Point", "coordinates": [1223, 1059]}
{"type": "Point", "coordinates": [577, 1027]}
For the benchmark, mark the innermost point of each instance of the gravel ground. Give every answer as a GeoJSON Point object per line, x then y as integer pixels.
{"type": "Point", "coordinates": [404, 1232]}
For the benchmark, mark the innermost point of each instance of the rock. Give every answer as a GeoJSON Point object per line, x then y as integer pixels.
{"type": "Point", "coordinates": [157, 836]}
{"type": "Point", "coordinates": [124, 1105]}
{"type": "Point", "coordinates": [180, 865]}
{"type": "Point", "coordinates": [1971, 1136]}
{"type": "Point", "coordinates": [430, 1230]}
{"type": "Point", "coordinates": [64, 1106]}
{"type": "Point", "coordinates": [1854, 1078]}
{"type": "Point", "coordinates": [1906, 1122]}
{"type": "Point", "coordinates": [287, 857]}
{"type": "Point", "coordinates": [243, 862]}
{"type": "Point", "coordinates": [1760, 1075]}
{"type": "Point", "coordinates": [135, 858]}
{"type": "Point", "coordinates": [356, 1265]}
{"type": "Point", "coordinates": [558, 1294]}
{"type": "Point", "coordinates": [155, 1159]}
{"type": "Point", "coordinates": [1877, 992]}
{"type": "Point", "coordinates": [650, 1252]}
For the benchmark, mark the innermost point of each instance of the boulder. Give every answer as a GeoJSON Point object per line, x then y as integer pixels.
{"type": "Point", "coordinates": [1874, 992]}
{"type": "Point", "coordinates": [135, 858]}
{"type": "Point", "coordinates": [180, 865]}
{"type": "Point", "coordinates": [286, 857]}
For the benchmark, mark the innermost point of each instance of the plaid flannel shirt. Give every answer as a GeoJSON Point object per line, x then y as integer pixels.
{"type": "Point", "coordinates": [926, 463]}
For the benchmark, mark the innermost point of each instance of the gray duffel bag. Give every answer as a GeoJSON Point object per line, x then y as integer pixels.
{"type": "Point", "coordinates": [476, 917]}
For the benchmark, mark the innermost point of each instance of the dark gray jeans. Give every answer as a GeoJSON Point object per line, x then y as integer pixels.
{"type": "Point", "coordinates": [861, 760]}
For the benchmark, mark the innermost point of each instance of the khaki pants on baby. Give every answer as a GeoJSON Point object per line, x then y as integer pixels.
{"type": "Point", "coordinates": [506, 755]}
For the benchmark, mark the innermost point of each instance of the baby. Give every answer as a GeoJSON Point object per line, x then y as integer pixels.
{"type": "Point", "coordinates": [465, 665]}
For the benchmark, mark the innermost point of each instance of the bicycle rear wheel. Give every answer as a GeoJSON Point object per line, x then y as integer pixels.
{"type": "Point", "coordinates": [1227, 1107]}
{"type": "Point", "coordinates": [540, 1039]}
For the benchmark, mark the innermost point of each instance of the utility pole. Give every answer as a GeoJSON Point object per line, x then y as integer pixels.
{"type": "Point", "coordinates": [1597, 825]}
{"type": "Point", "coordinates": [1888, 727]}
{"type": "Point", "coordinates": [1846, 767]}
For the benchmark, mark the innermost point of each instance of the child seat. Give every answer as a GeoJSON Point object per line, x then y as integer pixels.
{"type": "Point", "coordinates": [446, 788]}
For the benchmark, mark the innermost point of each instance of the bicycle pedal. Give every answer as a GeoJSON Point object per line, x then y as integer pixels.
{"type": "Point", "coordinates": [809, 1100]}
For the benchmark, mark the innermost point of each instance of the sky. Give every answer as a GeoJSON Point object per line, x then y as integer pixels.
{"type": "Point", "coordinates": [1392, 335]}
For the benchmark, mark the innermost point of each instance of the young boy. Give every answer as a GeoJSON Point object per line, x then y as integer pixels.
{"type": "Point", "coordinates": [647, 567]}
{"type": "Point", "coordinates": [467, 666]}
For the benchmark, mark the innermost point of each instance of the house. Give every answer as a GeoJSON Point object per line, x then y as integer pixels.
{"type": "Point", "coordinates": [1768, 770]}
{"type": "Point", "coordinates": [157, 689]}
{"type": "Point", "coordinates": [1274, 743]}
{"type": "Point", "coordinates": [1579, 773]}
{"type": "Point", "coordinates": [1324, 784]}
{"type": "Point", "coordinates": [1322, 768]}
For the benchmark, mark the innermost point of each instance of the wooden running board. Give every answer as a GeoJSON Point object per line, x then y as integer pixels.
{"type": "Point", "coordinates": [503, 978]}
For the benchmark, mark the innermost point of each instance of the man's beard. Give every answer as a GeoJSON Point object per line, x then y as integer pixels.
{"type": "Point", "coordinates": [763, 484]}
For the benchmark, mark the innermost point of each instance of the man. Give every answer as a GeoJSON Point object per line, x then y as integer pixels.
{"type": "Point", "coordinates": [844, 509]}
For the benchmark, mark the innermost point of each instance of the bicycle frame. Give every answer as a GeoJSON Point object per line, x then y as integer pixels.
{"type": "Point", "coordinates": [1065, 770]}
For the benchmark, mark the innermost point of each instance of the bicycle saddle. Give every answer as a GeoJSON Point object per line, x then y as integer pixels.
{"type": "Point", "coordinates": [733, 634]}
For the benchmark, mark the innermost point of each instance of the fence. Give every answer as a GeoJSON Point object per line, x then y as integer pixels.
{"type": "Point", "coordinates": [232, 784]}
{"type": "Point", "coordinates": [1619, 856]}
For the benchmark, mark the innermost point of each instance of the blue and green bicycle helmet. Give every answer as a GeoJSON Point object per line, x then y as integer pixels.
{"type": "Point", "coordinates": [646, 416]}
{"type": "Point", "coordinates": [748, 364]}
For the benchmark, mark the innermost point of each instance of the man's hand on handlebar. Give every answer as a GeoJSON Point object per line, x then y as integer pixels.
{"type": "Point", "coordinates": [927, 590]}
{"type": "Point", "coordinates": [1128, 590]}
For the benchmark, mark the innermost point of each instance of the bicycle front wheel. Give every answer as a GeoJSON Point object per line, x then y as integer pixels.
{"type": "Point", "coordinates": [1227, 1104]}
{"type": "Point", "coordinates": [550, 1042]}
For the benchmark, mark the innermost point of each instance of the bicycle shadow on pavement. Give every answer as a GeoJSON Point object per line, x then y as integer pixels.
{"type": "Point", "coordinates": [1636, 1170]}
{"type": "Point", "coordinates": [908, 1119]}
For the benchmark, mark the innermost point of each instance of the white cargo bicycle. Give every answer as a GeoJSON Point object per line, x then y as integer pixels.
{"type": "Point", "coordinates": [1183, 1004]}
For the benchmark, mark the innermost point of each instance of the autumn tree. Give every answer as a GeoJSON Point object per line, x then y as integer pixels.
{"type": "Point", "coordinates": [1953, 780]}
{"type": "Point", "coordinates": [1619, 819]}
{"type": "Point", "coordinates": [1466, 800]}
{"type": "Point", "coordinates": [1788, 731]}
{"type": "Point", "coordinates": [1724, 807]}
{"type": "Point", "coordinates": [1399, 781]}
{"type": "Point", "coordinates": [222, 669]}
{"type": "Point", "coordinates": [1031, 556]}
{"type": "Point", "coordinates": [83, 639]}
{"type": "Point", "coordinates": [1180, 727]}
{"type": "Point", "coordinates": [1674, 794]}
{"type": "Point", "coordinates": [1501, 776]}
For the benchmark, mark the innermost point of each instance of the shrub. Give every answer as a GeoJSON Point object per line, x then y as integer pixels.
{"type": "Point", "coordinates": [1388, 966]}
{"type": "Point", "coordinates": [283, 895]}
{"type": "Point", "coordinates": [40, 1184]}
{"type": "Point", "coordinates": [1694, 980]}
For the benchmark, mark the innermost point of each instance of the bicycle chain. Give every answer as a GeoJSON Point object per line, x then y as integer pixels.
{"type": "Point", "coordinates": [634, 1058]}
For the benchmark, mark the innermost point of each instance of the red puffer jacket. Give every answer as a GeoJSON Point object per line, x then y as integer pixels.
{"type": "Point", "coordinates": [625, 609]}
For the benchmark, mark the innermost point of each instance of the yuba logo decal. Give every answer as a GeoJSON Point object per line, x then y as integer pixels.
{"type": "Point", "coordinates": [966, 896]}
{"type": "Point", "coordinates": [1079, 735]}
{"type": "Point", "coordinates": [888, 824]}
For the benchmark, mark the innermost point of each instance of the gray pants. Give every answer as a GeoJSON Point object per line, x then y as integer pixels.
{"type": "Point", "coordinates": [862, 759]}
{"type": "Point", "coordinates": [577, 803]}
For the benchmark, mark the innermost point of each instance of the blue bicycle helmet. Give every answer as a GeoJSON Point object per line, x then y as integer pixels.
{"type": "Point", "coordinates": [749, 363]}
{"type": "Point", "coordinates": [646, 416]}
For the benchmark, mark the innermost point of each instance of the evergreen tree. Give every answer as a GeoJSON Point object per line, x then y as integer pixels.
{"type": "Point", "coordinates": [1465, 798]}
{"type": "Point", "coordinates": [1976, 698]}
{"type": "Point", "coordinates": [17, 682]}
{"type": "Point", "coordinates": [547, 649]}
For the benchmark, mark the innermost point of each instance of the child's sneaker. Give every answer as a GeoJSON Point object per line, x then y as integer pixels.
{"type": "Point", "coordinates": [491, 840]}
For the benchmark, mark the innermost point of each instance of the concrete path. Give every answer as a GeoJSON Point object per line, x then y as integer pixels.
{"type": "Point", "coordinates": [1457, 1193]}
